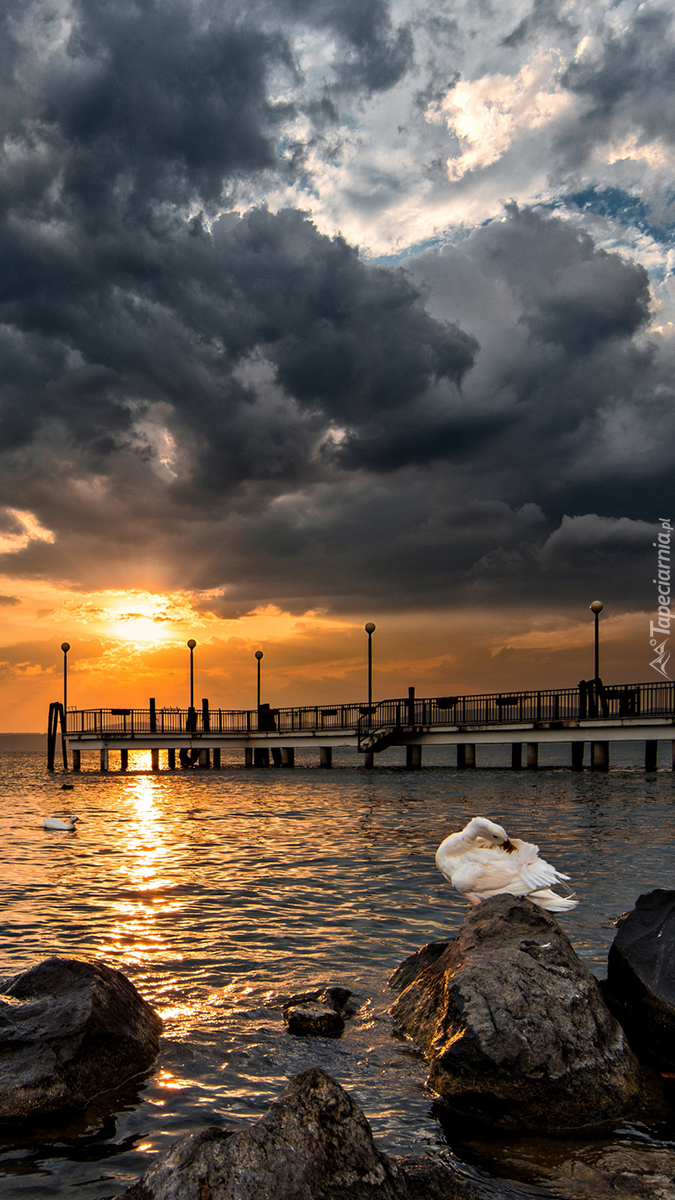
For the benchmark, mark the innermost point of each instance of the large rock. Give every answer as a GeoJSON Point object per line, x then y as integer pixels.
{"type": "Point", "coordinates": [68, 1031]}
{"type": "Point", "coordinates": [641, 975]}
{"type": "Point", "coordinates": [313, 1144]}
{"type": "Point", "coordinates": [515, 1026]}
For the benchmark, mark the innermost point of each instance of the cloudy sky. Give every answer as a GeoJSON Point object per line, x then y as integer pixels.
{"type": "Point", "coordinates": [320, 311]}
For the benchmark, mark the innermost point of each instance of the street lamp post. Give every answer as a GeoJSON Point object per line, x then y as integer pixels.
{"type": "Point", "coordinates": [370, 629]}
{"type": "Point", "coordinates": [65, 646]}
{"type": "Point", "coordinates": [191, 644]}
{"type": "Point", "coordinates": [596, 608]}
{"type": "Point", "coordinates": [258, 655]}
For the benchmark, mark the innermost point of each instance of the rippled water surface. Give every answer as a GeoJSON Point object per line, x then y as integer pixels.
{"type": "Point", "coordinates": [221, 893]}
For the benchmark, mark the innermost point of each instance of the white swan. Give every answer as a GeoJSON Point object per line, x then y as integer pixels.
{"type": "Point", "coordinates": [59, 823]}
{"type": "Point", "coordinates": [482, 861]}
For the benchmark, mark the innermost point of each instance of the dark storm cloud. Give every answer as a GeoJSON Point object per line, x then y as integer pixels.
{"type": "Point", "coordinates": [589, 544]}
{"type": "Point", "coordinates": [249, 403]}
{"type": "Point", "coordinates": [118, 117]}
{"type": "Point", "coordinates": [629, 85]}
{"type": "Point", "coordinates": [115, 110]}
{"type": "Point", "coordinates": [141, 104]}
{"type": "Point", "coordinates": [419, 437]}
{"type": "Point", "coordinates": [345, 342]}
{"type": "Point", "coordinates": [262, 411]}
{"type": "Point", "coordinates": [349, 337]}
{"type": "Point", "coordinates": [560, 324]}
{"type": "Point", "coordinates": [543, 15]}
{"type": "Point", "coordinates": [570, 293]}
{"type": "Point", "coordinates": [378, 54]}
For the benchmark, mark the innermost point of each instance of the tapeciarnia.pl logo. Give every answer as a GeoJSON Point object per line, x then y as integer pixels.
{"type": "Point", "coordinates": [662, 625]}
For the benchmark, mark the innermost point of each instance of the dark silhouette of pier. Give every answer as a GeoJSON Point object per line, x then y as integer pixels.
{"type": "Point", "coordinates": [268, 736]}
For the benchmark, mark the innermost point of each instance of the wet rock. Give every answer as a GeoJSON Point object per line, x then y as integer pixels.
{"type": "Point", "coordinates": [640, 984]}
{"type": "Point", "coordinates": [341, 999]}
{"type": "Point", "coordinates": [69, 1030]}
{"type": "Point", "coordinates": [320, 1013]}
{"type": "Point", "coordinates": [313, 1144]}
{"type": "Point", "coordinates": [515, 1027]}
{"type": "Point", "coordinates": [313, 1020]}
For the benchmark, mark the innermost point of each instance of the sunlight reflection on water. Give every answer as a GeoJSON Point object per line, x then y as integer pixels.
{"type": "Point", "coordinates": [219, 893]}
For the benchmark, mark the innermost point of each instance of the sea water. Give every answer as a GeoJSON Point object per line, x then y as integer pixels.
{"type": "Point", "coordinates": [222, 893]}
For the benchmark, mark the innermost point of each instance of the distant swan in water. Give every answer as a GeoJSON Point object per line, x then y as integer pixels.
{"type": "Point", "coordinates": [482, 861]}
{"type": "Point", "coordinates": [60, 823]}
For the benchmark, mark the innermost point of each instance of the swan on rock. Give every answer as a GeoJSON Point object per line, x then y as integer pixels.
{"type": "Point", "coordinates": [67, 823]}
{"type": "Point", "coordinates": [482, 861]}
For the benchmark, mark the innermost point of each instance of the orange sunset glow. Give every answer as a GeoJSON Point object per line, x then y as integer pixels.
{"type": "Point", "coordinates": [129, 645]}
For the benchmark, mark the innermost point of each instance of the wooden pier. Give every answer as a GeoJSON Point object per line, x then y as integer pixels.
{"type": "Point", "coordinates": [268, 736]}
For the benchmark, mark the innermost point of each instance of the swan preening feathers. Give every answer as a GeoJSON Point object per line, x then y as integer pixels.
{"type": "Point", "coordinates": [482, 861]}
{"type": "Point", "coordinates": [67, 823]}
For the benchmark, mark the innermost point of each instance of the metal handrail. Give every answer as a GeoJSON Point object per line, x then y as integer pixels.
{"type": "Point", "coordinates": [585, 702]}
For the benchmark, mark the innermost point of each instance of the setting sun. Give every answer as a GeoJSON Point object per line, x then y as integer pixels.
{"type": "Point", "coordinates": [146, 618]}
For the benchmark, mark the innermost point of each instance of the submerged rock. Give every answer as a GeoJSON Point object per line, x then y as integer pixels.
{"type": "Point", "coordinates": [641, 975]}
{"type": "Point", "coordinates": [313, 1144]}
{"type": "Point", "coordinates": [515, 1027]}
{"type": "Point", "coordinates": [589, 1169]}
{"type": "Point", "coordinates": [68, 1031]}
{"type": "Point", "coordinates": [617, 1172]}
{"type": "Point", "coordinates": [320, 1013]}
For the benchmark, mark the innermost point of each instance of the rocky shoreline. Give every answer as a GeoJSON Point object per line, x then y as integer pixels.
{"type": "Point", "coordinates": [520, 1039]}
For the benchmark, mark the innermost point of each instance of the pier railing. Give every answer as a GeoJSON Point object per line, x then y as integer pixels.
{"type": "Point", "coordinates": [591, 699]}
{"type": "Point", "coordinates": [126, 722]}
{"type": "Point", "coordinates": [588, 700]}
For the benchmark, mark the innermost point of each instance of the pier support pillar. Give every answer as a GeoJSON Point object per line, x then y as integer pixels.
{"type": "Point", "coordinates": [325, 756]}
{"type": "Point", "coordinates": [124, 760]}
{"type": "Point", "coordinates": [248, 756]}
{"type": "Point", "coordinates": [171, 755]}
{"type": "Point", "coordinates": [104, 760]}
{"type": "Point", "coordinates": [77, 760]}
{"type": "Point", "coordinates": [216, 758]}
{"type": "Point", "coordinates": [577, 756]}
{"type": "Point", "coordinates": [204, 760]}
{"type": "Point", "coordinates": [288, 756]}
{"type": "Point", "coordinates": [154, 760]}
{"type": "Point", "coordinates": [600, 756]}
{"type": "Point", "coordinates": [516, 755]}
{"type": "Point", "coordinates": [413, 757]}
{"type": "Point", "coordinates": [261, 756]}
{"type": "Point", "coordinates": [651, 755]}
{"type": "Point", "coordinates": [369, 759]}
{"type": "Point", "coordinates": [532, 755]}
{"type": "Point", "coordinates": [466, 754]}
{"type": "Point", "coordinates": [276, 756]}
